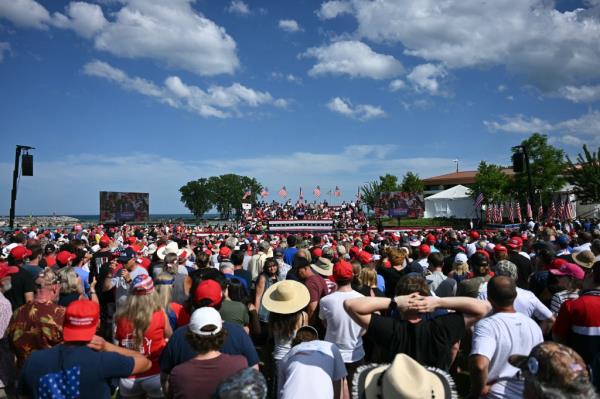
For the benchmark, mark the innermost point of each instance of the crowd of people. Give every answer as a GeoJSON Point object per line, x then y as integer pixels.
{"type": "Point", "coordinates": [165, 312]}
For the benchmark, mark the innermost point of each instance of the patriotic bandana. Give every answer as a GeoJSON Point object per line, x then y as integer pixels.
{"type": "Point", "coordinates": [142, 285]}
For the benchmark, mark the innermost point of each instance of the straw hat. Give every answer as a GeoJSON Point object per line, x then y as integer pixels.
{"type": "Point", "coordinates": [404, 378]}
{"type": "Point", "coordinates": [286, 297]}
{"type": "Point", "coordinates": [584, 259]}
{"type": "Point", "coordinates": [170, 248]}
{"type": "Point", "coordinates": [323, 266]}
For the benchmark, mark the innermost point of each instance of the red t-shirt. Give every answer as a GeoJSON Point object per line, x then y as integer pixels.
{"type": "Point", "coordinates": [181, 314]}
{"type": "Point", "coordinates": [154, 340]}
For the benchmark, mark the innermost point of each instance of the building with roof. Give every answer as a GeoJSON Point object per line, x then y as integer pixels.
{"type": "Point", "coordinates": [436, 184]}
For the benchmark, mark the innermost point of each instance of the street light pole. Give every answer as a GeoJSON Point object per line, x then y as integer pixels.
{"type": "Point", "coordinates": [13, 193]}
{"type": "Point", "coordinates": [529, 182]}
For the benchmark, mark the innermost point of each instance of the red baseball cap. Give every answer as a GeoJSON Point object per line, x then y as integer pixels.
{"type": "Point", "coordinates": [515, 242]}
{"type": "Point", "coordinates": [570, 270]}
{"type": "Point", "coordinates": [81, 319]}
{"type": "Point", "coordinates": [144, 262]}
{"type": "Point", "coordinates": [317, 252]}
{"type": "Point", "coordinates": [136, 248]}
{"type": "Point", "coordinates": [500, 248]}
{"type": "Point", "coordinates": [342, 270]}
{"type": "Point", "coordinates": [20, 252]}
{"type": "Point", "coordinates": [6, 270]}
{"type": "Point", "coordinates": [224, 252]}
{"type": "Point", "coordinates": [424, 250]}
{"type": "Point", "coordinates": [430, 238]}
{"type": "Point", "coordinates": [557, 263]}
{"type": "Point", "coordinates": [365, 258]}
{"type": "Point", "coordinates": [65, 257]}
{"type": "Point", "coordinates": [474, 235]}
{"type": "Point", "coordinates": [131, 240]}
{"type": "Point", "coordinates": [104, 240]}
{"type": "Point", "coordinates": [211, 290]}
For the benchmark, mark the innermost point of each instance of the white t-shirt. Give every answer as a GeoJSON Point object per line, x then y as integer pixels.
{"type": "Point", "coordinates": [309, 369]}
{"type": "Point", "coordinates": [341, 329]}
{"type": "Point", "coordinates": [499, 336]}
{"type": "Point", "coordinates": [525, 303]}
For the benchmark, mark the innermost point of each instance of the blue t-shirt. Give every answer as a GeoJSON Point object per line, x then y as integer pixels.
{"type": "Point", "coordinates": [84, 276]}
{"type": "Point", "coordinates": [289, 254]}
{"type": "Point", "coordinates": [73, 371]}
{"type": "Point", "coordinates": [178, 350]}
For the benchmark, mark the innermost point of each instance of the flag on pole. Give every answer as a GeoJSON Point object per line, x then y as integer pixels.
{"type": "Point", "coordinates": [552, 211]}
{"type": "Point", "coordinates": [529, 211]}
{"type": "Point", "coordinates": [317, 192]}
{"type": "Point", "coordinates": [478, 200]}
{"type": "Point", "coordinates": [562, 211]}
{"type": "Point", "coordinates": [570, 214]}
{"type": "Point", "coordinates": [264, 192]}
{"type": "Point", "coordinates": [540, 214]}
{"type": "Point", "coordinates": [501, 213]}
{"type": "Point", "coordinates": [518, 212]}
{"type": "Point", "coordinates": [301, 196]}
{"type": "Point", "coordinates": [511, 215]}
{"type": "Point", "coordinates": [358, 194]}
{"type": "Point", "coordinates": [247, 193]}
{"type": "Point", "coordinates": [337, 192]}
{"type": "Point", "coordinates": [282, 192]}
{"type": "Point", "coordinates": [488, 213]}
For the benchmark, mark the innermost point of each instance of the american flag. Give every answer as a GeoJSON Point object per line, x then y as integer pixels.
{"type": "Point", "coordinates": [552, 211]}
{"type": "Point", "coordinates": [529, 211]}
{"type": "Point", "coordinates": [518, 212]}
{"type": "Point", "coordinates": [478, 200]}
{"type": "Point", "coordinates": [488, 213]}
{"type": "Point", "coordinates": [264, 192]}
{"type": "Point", "coordinates": [540, 213]}
{"type": "Point", "coordinates": [501, 213]}
{"type": "Point", "coordinates": [317, 192]}
{"type": "Point", "coordinates": [569, 210]}
{"type": "Point", "coordinates": [337, 192]}
{"type": "Point", "coordinates": [301, 196]}
{"type": "Point", "coordinates": [282, 192]}
{"type": "Point", "coordinates": [247, 193]}
{"type": "Point", "coordinates": [511, 215]}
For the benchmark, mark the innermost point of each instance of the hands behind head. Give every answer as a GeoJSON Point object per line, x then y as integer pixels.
{"type": "Point", "coordinates": [420, 303]}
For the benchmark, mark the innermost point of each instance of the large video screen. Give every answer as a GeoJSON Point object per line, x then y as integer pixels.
{"type": "Point", "coordinates": [118, 207]}
{"type": "Point", "coordinates": [400, 205]}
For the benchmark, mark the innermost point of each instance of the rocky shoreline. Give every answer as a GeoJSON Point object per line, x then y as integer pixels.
{"type": "Point", "coordinates": [40, 221]}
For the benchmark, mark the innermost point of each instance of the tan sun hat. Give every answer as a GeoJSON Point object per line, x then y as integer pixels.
{"type": "Point", "coordinates": [286, 297]}
{"type": "Point", "coordinates": [585, 259]}
{"type": "Point", "coordinates": [323, 266]}
{"type": "Point", "coordinates": [405, 378]}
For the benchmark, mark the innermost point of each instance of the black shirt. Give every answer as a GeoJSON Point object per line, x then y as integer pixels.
{"type": "Point", "coordinates": [429, 342]}
{"type": "Point", "coordinates": [21, 282]}
{"type": "Point", "coordinates": [391, 277]}
{"type": "Point", "coordinates": [523, 268]}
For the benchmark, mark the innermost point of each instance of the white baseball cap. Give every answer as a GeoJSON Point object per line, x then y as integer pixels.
{"type": "Point", "coordinates": [205, 317]}
{"type": "Point", "coordinates": [460, 258]}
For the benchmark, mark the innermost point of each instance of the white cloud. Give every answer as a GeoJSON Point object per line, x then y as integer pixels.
{"type": "Point", "coordinates": [172, 33]}
{"type": "Point", "coordinates": [501, 88]}
{"type": "Point", "coordinates": [519, 124]}
{"type": "Point", "coordinates": [25, 13]}
{"type": "Point", "coordinates": [397, 84]}
{"type": "Point", "coordinates": [568, 140]}
{"type": "Point", "coordinates": [575, 131]}
{"type": "Point", "coordinates": [162, 176]}
{"type": "Point", "coordinates": [4, 47]}
{"type": "Point", "coordinates": [238, 7]}
{"type": "Point", "coordinates": [352, 58]}
{"type": "Point", "coordinates": [332, 9]}
{"type": "Point", "coordinates": [215, 101]}
{"type": "Point", "coordinates": [551, 47]}
{"type": "Point", "coordinates": [580, 94]}
{"type": "Point", "coordinates": [424, 78]}
{"type": "Point", "coordinates": [361, 112]}
{"type": "Point", "coordinates": [84, 18]}
{"type": "Point", "coordinates": [289, 25]}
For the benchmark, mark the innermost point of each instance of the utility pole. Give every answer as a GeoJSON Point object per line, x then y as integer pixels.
{"type": "Point", "coordinates": [525, 152]}
{"type": "Point", "coordinates": [13, 193]}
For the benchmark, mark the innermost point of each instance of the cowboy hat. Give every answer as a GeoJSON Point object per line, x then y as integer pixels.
{"type": "Point", "coordinates": [323, 266]}
{"type": "Point", "coordinates": [404, 378]}
{"type": "Point", "coordinates": [286, 297]}
{"type": "Point", "coordinates": [170, 248]}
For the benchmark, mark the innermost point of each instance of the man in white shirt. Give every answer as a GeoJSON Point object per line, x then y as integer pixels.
{"type": "Point", "coordinates": [496, 338]}
{"type": "Point", "coordinates": [526, 302]}
{"type": "Point", "coordinates": [341, 329]}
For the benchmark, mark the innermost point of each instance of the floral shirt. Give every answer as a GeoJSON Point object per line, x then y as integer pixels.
{"type": "Point", "coordinates": [35, 325]}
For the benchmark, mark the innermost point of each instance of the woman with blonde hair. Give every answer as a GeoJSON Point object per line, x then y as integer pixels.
{"type": "Point", "coordinates": [460, 268]}
{"type": "Point", "coordinates": [392, 274]}
{"type": "Point", "coordinates": [143, 325]}
{"type": "Point", "coordinates": [164, 288]}
{"type": "Point", "coordinates": [368, 283]}
{"type": "Point", "coordinates": [71, 287]}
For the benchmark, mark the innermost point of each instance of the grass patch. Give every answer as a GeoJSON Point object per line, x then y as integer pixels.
{"type": "Point", "coordinates": [435, 222]}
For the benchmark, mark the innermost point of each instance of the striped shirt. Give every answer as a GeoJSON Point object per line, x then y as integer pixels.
{"type": "Point", "coordinates": [560, 297]}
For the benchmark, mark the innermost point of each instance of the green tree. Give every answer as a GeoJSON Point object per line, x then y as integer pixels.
{"type": "Point", "coordinates": [196, 196]}
{"type": "Point", "coordinates": [585, 176]}
{"type": "Point", "coordinates": [388, 183]}
{"type": "Point", "coordinates": [369, 194]}
{"type": "Point", "coordinates": [547, 165]}
{"type": "Point", "coordinates": [411, 183]}
{"type": "Point", "coordinates": [492, 182]}
{"type": "Point", "coordinates": [228, 190]}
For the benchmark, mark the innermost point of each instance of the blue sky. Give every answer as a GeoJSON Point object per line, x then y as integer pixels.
{"type": "Point", "coordinates": [145, 95]}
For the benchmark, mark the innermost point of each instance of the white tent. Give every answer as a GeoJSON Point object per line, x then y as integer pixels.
{"type": "Point", "coordinates": [453, 202]}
